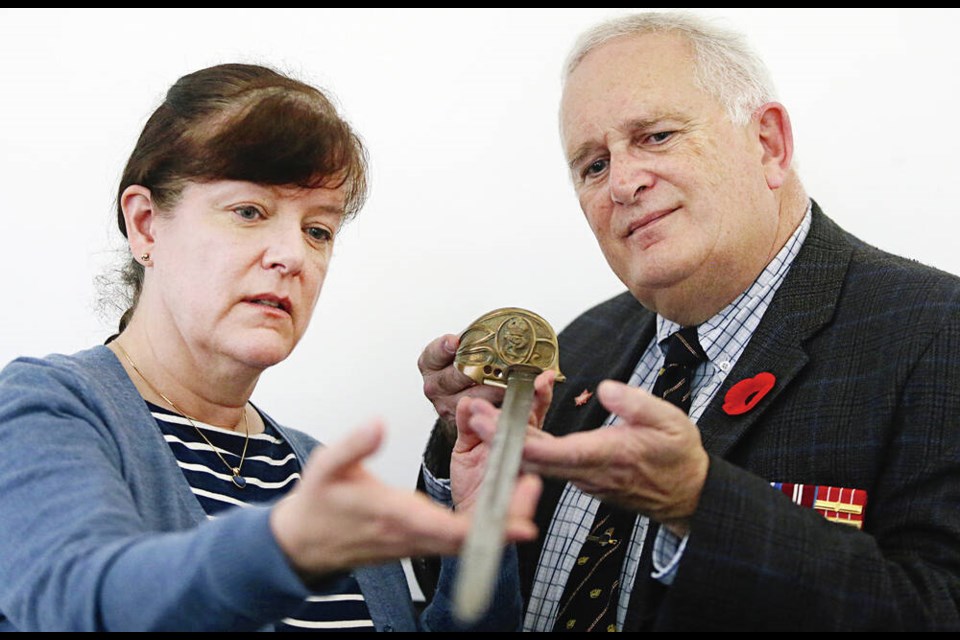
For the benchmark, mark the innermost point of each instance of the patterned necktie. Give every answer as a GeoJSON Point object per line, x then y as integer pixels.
{"type": "Point", "coordinates": [589, 601]}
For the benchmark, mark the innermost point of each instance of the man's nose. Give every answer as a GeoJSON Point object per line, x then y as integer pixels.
{"type": "Point", "coordinates": [629, 176]}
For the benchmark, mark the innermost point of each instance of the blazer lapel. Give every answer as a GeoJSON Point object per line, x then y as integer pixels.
{"type": "Point", "coordinates": [613, 352]}
{"type": "Point", "coordinates": [638, 332]}
{"type": "Point", "coordinates": [803, 305]}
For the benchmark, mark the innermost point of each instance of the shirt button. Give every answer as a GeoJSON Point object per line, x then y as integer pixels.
{"type": "Point", "coordinates": [725, 366]}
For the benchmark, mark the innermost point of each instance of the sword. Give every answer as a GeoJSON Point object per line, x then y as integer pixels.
{"type": "Point", "coordinates": [508, 348]}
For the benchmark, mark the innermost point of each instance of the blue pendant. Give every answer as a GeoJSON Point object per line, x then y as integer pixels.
{"type": "Point", "coordinates": [238, 479]}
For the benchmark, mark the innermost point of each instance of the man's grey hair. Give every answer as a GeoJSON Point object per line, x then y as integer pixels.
{"type": "Point", "coordinates": [724, 64]}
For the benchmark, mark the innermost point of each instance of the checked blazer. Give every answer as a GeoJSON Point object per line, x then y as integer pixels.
{"type": "Point", "coordinates": [865, 347]}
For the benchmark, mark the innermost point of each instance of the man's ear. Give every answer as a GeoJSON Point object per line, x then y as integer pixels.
{"type": "Point", "coordinates": [776, 140]}
{"type": "Point", "coordinates": [140, 215]}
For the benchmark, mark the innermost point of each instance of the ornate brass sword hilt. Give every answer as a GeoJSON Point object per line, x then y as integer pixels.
{"type": "Point", "coordinates": [506, 348]}
{"type": "Point", "coordinates": [506, 339]}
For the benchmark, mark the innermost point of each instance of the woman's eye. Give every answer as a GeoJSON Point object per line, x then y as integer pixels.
{"type": "Point", "coordinates": [319, 234]}
{"type": "Point", "coordinates": [248, 213]}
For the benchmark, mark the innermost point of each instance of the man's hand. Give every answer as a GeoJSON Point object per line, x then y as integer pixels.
{"type": "Point", "coordinates": [444, 385]}
{"type": "Point", "coordinates": [469, 460]}
{"type": "Point", "coordinates": [652, 461]}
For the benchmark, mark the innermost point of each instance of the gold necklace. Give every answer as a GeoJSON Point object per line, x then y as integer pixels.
{"type": "Point", "coordinates": [238, 479]}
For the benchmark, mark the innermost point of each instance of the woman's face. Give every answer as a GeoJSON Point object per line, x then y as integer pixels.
{"type": "Point", "coordinates": [237, 267]}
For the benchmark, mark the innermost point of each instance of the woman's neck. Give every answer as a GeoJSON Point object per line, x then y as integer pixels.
{"type": "Point", "coordinates": [169, 374]}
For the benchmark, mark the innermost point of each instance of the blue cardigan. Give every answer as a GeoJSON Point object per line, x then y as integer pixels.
{"type": "Point", "coordinates": [99, 529]}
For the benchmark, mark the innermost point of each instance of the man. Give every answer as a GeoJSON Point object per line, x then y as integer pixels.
{"type": "Point", "coordinates": [809, 477]}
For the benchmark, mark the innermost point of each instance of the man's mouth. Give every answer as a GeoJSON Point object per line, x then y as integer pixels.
{"type": "Point", "coordinates": [646, 220]}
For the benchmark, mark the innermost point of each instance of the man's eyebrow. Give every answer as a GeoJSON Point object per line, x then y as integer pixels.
{"type": "Point", "coordinates": [647, 123]}
{"type": "Point", "coordinates": [637, 124]}
{"type": "Point", "coordinates": [582, 152]}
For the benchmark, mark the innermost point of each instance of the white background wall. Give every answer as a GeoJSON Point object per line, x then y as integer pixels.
{"type": "Point", "coordinates": [471, 208]}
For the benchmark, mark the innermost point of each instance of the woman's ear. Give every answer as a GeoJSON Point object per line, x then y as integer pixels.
{"type": "Point", "coordinates": [776, 140]}
{"type": "Point", "coordinates": [140, 216]}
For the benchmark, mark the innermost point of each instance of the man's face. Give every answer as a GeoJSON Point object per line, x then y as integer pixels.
{"type": "Point", "coordinates": [674, 192]}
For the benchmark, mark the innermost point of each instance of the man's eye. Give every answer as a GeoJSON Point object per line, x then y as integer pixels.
{"type": "Point", "coordinates": [320, 234]}
{"type": "Point", "coordinates": [247, 213]}
{"type": "Point", "coordinates": [594, 168]}
{"type": "Point", "coordinates": [659, 137]}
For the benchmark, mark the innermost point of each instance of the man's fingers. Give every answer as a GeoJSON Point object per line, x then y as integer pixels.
{"type": "Point", "coordinates": [636, 406]}
{"type": "Point", "coordinates": [520, 526]}
{"type": "Point", "coordinates": [467, 438]}
{"type": "Point", "coordinates": [543, 395]}
{"type": "Point", "coordinates": [447, 382]}
{"type": "Point", "coordinates": [482, 419]}
{"type": "Point", "coordinates": [523, 505]}
{"type": "Point", "coordinates": [574, 456]}
{"type": "Point", "coordinates": [464, 412]}
{"type": "Point", "coordinates": [438, 354]}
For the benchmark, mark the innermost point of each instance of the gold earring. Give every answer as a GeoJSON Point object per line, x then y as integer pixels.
{"type": "Point", "coordinates": [145, 257]}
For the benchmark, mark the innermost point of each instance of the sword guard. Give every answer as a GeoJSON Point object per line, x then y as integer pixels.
{"type": "Point", "coordinates": [507, 340]}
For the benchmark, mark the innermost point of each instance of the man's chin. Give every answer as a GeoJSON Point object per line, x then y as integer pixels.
{"type": "Point", "coordinates": [658, 277]}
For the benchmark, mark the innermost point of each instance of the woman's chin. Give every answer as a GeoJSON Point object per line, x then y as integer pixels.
{"type": "Point", "coordinates": [261, 356]}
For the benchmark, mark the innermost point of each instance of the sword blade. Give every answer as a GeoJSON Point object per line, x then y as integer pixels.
{"type": "Point", "coordinates": [483, 548]}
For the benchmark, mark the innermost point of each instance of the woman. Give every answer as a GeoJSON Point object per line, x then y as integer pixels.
{"type": "Point", "coordinates": [122, 467]}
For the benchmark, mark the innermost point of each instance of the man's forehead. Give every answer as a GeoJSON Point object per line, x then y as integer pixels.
{"type": "Point", "coordinates": [631, 83]}
{"type": "Point", "coordinates": [591, 120]}
{"type": "Point", "coordinates": [628, 69]}
{"type": "Point", "coordinates": [637, 52]}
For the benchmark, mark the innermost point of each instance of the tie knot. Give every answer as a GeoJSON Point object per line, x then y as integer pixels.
{"type": "Point", "coordinates": [683, 355]}
{"type": "Point", "coordinates": [683, 348]}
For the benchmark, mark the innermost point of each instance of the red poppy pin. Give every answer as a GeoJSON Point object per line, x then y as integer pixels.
{"type": "Point", "coordinates": [581, 399]}
{"type": "Point", "coordinates": [745, 395]}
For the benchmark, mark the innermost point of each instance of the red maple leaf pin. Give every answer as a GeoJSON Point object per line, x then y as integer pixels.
{"type": "Point", "coordinates": [745, 395]}
{"type": "Point", "coordinates": [581, 399]}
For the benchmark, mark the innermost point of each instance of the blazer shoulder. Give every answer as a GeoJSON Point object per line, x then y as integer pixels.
{"type": "Point", "coordinates": [872, 278]}
{"type": "Point", "coordinates": [609, 315]}
{"type": "Point", "coordinates": [900, 281]}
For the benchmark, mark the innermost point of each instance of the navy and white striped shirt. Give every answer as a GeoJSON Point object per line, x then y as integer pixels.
{"type": "Point", "coordinates": [271, 469]}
